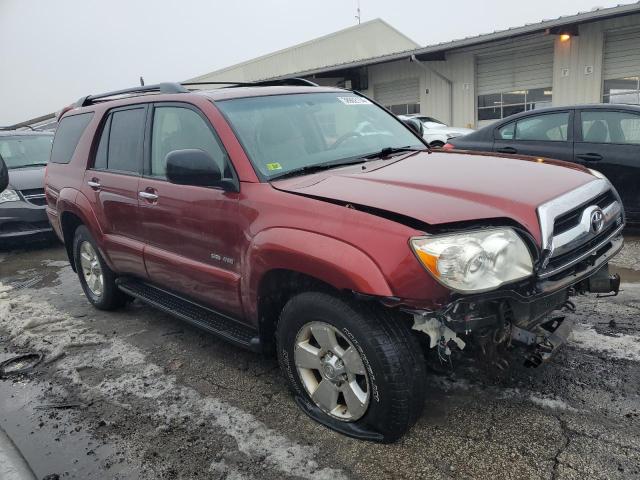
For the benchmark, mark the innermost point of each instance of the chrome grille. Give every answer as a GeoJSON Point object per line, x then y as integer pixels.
{"type": "Point", "coordinates": [571, 234]}
{"type": "Point", "coordinates": [34, 196]}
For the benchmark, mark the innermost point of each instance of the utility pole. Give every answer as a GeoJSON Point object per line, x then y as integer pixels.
{"type": "Point", "coordinates": [358, 16]}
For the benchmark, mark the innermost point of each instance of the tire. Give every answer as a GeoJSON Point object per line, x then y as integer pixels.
{"type": "Point", "coordinates": [107, 296]}
{"type": "Point", "coordinates": [394, 368]}
{"type": "Point", "coordinates": [436, 144]}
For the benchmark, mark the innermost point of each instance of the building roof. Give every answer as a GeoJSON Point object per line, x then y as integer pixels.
{"type": "Point", "coordinates": [369, 39]}
{"type": "Point", "coordinates": [545, 25]}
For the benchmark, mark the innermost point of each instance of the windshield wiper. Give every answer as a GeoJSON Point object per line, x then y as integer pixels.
{"type": "Point", "coordinates": [386, 151]}
{"type": "Point", "coordinates": [314, 168]}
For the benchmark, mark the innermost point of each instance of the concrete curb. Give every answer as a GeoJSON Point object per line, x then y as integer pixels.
{"type": "Point", "coordinates": [13, 466]}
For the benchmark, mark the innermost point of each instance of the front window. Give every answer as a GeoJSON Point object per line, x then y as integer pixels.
{"type": "Point", "coordinates": [495, 106]}
{"type": "Point", "coordinates": [281, 133]}
{"type": "Point", "coordinates": [25, 150]}
{"type": "Point", "coordinates": [622, 90]}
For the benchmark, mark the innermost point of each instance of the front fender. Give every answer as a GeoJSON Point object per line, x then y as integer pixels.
{"type": "Point", "coordinates": [332, 261]}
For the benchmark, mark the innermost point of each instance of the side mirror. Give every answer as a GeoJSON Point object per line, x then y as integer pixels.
{"type": "Point", "coordinates": [4, 175]}
{"type": "Point", "coordinates": [415, 125]}
{"type": "Point", "coordinates": [195, 167]}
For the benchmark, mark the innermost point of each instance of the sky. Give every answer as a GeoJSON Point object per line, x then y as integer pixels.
{"type": "Point", "coordinates": [52, 52]}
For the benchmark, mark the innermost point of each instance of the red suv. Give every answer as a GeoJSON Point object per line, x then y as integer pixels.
{"type": "Point", "coordinates": [312, 222]}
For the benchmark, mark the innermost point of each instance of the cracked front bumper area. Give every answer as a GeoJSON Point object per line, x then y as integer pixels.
{"type": "Point", "coordinates": [519, 316]}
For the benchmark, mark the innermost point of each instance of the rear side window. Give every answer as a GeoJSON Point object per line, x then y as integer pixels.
{"type": "Point", "coordinates": [68, 135]}
{"type": "Point", "coordinates": [611, 127]}
{"type": "Point", "coordinates": [120, 146]}
{"type": "Point", "coordinates": [551, 127]}
{"type": "Point", "coordinates": [507, 132]}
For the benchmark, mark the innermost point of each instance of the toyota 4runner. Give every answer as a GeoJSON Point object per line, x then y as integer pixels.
{"type": "Point", "coordinates": [311, 222]}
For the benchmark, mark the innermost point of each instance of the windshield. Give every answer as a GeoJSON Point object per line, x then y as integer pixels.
{"type": "Point", "coordinates": [282, 133]}
{"type": "Point", "coordinates": [25, 150]}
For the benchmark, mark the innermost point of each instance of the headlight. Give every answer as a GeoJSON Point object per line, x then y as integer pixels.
{"type": "Point", "coordinates": [475, 261]}
{"type": "Point", "coordinates": [9, 196]}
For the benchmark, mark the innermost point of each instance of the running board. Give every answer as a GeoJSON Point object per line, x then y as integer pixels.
{"type": "Point", "coordinates": [198, 315]}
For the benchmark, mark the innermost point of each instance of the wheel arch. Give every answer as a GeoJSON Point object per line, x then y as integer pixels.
{"type": "Point", "coordinates": [278, 271]}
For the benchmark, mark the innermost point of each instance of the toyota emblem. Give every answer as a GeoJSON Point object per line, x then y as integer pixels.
{"type": "Point", "coordinates": [597, 221]}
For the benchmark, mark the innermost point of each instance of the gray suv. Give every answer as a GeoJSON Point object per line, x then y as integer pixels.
{"type": "Point", "coordinates": [22, 204]}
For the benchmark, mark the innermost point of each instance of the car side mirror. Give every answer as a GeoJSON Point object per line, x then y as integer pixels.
{"type": "Point", "coordinates": [4, 175]}
{"type": "Point", "coordinates": [196, 167]}
{"type": "Point", "coordinates": [415, 125]}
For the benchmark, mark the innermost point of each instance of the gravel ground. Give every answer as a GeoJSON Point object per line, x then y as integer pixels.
{"type": "Point", "coordinates": [136, 394]}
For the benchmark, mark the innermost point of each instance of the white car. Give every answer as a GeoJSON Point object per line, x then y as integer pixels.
{"type": "Point", "coordinates": [437, 133]}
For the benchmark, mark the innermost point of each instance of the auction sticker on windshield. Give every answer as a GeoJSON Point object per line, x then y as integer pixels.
{"type": "Point", "coordinates": [354, 101]}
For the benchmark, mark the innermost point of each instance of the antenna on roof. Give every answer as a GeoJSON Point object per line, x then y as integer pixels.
{"type": "Point", "coordinates": [358, 16]}
{"type": "Point", "coordinates": [141, 81]}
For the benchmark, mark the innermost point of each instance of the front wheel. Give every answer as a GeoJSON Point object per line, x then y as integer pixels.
{"type": "Point", "coordinates": [354, 367]}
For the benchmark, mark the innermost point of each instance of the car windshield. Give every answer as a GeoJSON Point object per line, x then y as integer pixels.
{"type": "Point", "coordinates": [298, 132]}
{"type": "Point", "coordinates": [25, 150]}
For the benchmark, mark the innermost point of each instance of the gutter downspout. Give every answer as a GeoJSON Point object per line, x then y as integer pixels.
{"type": "Point", "coordinates": [449, 82]}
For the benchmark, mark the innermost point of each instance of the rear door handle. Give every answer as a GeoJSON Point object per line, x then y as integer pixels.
{"type": "Point", "coordinates": [148, 196]}
{"type": "Point", "coordinates": [506, 150]}
{"type": "Point", "coordinates": [589, 157]}
{"type": "Point", "coordinates": [93, 183]}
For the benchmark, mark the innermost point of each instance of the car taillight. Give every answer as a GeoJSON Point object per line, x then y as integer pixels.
{"type": "Point", "coordinates": [448, 146]}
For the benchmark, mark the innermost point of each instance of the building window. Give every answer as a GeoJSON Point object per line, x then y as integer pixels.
{"type": "Point", "coordinates": [622, 90]}
{"type": "Point", "coordinates": [495, 106]}
{"type": "Point", "coordinates": [404, 108]}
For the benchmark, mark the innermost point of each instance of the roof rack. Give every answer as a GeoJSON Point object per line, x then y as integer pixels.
{"type": "Point", "coordinates": [166, 87]}
{"type": "Point", "coordinates": [169, 87]}
{"type": "Point", "coordinates": [295, 82]}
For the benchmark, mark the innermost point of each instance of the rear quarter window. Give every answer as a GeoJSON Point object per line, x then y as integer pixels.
{"type": "Point", "coordinates": [68, 135]}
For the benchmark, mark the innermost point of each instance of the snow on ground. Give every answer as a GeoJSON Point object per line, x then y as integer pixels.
{"type": "Point", "coordinates": [37, 326]}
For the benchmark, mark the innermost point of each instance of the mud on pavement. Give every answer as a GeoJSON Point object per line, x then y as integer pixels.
{"type": "Point", "coordinates": [136, 394]}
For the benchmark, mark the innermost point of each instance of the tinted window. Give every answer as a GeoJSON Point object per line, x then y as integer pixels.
{"type": "Point", "coordinates": [550, 127]}
{"type": "Point", "coordinates": [610, 127]}
{"type": "Point", "coordinates": [68, 135]}
{"type": "Point", "coordinates": [507, 132]}
{"type": "Point", "coordinates": [125, 140]}
{"type": "Point", "coordinates": [176, 128]}
{"type": "Point", "coordinates": [101, 154]}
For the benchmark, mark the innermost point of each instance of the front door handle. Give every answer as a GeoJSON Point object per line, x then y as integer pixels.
{"type": "Point", "coordinates": [93, 183]}
{"type": "Point", "coordinates": [506, 150]}
{"type": "Point", "coordinates": [148, 196]}
{"type": "Point", "coordinates": [589, 157]}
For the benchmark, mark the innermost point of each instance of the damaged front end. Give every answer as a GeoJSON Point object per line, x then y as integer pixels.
{"type": "Point", "coordinates": [500, 321]}
{"type": "Point", "coordinates": [577, 246]}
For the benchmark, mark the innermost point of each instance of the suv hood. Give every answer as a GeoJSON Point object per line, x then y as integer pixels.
{"type": "Point", "coordinates": [26, 178]}
{"type": "Point", "coordinates": [443, 187]}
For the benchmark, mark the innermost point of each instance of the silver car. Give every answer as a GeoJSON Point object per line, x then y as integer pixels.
{"type": "Point", "coordinates": [23, 204]}
{"type": "Point", "coordinates": [437, 133]}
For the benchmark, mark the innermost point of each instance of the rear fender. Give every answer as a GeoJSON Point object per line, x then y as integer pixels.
{"type": "Point", "coordinates": [81, 208]}
{"type": "Point", "coordinates": [332, 261]}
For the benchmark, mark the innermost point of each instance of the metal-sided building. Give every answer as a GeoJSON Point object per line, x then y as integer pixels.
{"type": "Point", "coordinates": [589, 57]}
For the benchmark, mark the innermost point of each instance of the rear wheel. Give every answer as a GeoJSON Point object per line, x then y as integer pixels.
{"type": "Point", "coordinates": [96, 278]}
{"type": "Point", "coordinates": [355, 366]}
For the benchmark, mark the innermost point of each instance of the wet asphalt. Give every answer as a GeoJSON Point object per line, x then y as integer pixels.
{"type": "Point", "coordinates": [136, 394]}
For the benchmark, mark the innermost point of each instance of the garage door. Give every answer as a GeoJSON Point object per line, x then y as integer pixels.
{"type": "Point", "coordinates": [401, 96]}
{"type": "Point", "coordinates": [621, 68]}
{"type": "Point", "coordinates": [514, 79]}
